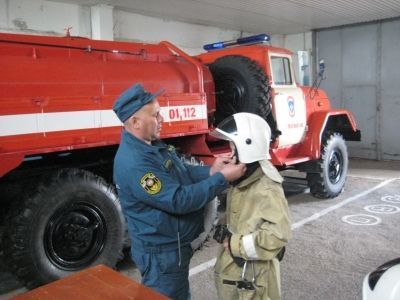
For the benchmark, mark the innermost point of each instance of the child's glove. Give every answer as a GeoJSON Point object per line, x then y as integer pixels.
{"type": "Point", "coordinates": [221, 233]}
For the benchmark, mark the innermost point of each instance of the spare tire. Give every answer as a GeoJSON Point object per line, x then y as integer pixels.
{"type": "Point", "coordinates": [241, 85]}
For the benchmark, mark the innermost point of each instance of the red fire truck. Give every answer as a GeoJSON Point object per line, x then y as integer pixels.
{"type": "Point", "coordinates": [59, 212]}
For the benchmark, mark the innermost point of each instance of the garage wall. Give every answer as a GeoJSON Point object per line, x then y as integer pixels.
{"type": "Point", "coordinates": [46, 17]}
{"type": "Point", "coordinates": [189, 37]}
{"type": "Point", "coordinates": [363, 70]}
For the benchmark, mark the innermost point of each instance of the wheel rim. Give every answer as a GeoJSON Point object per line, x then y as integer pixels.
{"type": "Point", "coordinates": [233, 95]}
{"type": "Point", "coordinates": [75, 236]}
{"type": "Point", "coordinates": [335, 167]}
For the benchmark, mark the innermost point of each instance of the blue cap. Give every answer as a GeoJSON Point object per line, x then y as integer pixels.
{"type": "Point", "coordinates": [131, 100]}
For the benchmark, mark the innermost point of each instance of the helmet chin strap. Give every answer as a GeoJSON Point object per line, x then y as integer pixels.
{"type": "Point", "coordinates": [236, 154]}
{"type": "Point", "coordinates": [250, 168]}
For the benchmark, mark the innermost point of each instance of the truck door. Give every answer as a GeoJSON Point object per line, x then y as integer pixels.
{"type": "Point", "coordinates": [289, 105]}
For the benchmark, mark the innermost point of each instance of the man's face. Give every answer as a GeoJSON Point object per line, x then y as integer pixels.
{"type": "Point", "coordinates": [147, 122]}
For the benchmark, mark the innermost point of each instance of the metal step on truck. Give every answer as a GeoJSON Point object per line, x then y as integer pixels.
{"type": "Point", "coordinates": [59, 212]}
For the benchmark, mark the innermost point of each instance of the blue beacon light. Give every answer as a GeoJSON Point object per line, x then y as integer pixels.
{"type": "Point", "coordinates": [253, 39]}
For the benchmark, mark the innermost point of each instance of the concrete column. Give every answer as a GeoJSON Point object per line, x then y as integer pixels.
{"type": "Point", "coordinates": [3, 14]}
{"type": "Point", "coordinates": [102, 22]}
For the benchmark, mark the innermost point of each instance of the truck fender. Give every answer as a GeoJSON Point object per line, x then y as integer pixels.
{"type": "Point", "coordinates": [10, 161]}
{"type": "Point", "coordinates": [341, 121]}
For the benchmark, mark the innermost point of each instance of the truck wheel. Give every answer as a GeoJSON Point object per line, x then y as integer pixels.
{"type": "Point", "coordinates": [329, 181]}
{"type": "Point", "coordinates": [241, 86]}
{"type": "Point", "coordinates": [210, 211]}
{"type": "Point", "coordinates": [71, 221]}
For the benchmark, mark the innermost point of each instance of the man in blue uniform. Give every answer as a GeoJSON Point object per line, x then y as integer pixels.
{"type": "Point", "coordinates": [161, 197]}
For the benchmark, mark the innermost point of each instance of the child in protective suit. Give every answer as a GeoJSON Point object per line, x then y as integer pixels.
{"type": "Point", "coordinates": [257, 216]}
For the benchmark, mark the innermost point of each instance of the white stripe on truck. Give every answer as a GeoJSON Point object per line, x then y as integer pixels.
{"type": "Point", "coordinates": [74, 120]}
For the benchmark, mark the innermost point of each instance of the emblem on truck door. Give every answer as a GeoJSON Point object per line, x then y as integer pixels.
{"type": "Point", "coordinates": [290, 101]}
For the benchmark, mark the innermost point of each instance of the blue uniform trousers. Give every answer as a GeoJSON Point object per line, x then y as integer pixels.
{"type": "Point", "coordinates": [161, 270]}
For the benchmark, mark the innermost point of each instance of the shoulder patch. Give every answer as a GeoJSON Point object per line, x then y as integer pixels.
{"type": "Point", "coordinates": [151, 183]}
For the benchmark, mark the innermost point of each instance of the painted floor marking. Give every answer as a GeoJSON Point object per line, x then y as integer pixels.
{"type": "Point", "coordinates": [382, 209]}
{"type": "Point", "coordinates": [202, 267]}
{"type": "Point", "coordinates": [361, 219]}
{"type": "Point", "coordinates": [391, 198]}
{"type": "Point", "coordinates": [208, 264]}
{"type": "Point", "coordinates": [339, 205]}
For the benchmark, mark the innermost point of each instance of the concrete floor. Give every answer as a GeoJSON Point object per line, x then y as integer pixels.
{"type": "Point", "coordinates": [335, 242]}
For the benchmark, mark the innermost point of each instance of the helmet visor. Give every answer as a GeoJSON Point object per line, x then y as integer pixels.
{"type": "Point", "coordinates": [225, 129]}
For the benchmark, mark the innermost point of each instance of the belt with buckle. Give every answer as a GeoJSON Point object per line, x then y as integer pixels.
{"type": "Point", "coordinates": [240, 284]}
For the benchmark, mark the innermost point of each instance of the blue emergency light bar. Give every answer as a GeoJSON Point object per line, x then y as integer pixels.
{"type": "Point", "coordinates": [253, 39]}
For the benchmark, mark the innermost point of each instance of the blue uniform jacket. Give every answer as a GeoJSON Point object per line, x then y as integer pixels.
{"type": "Point", "coordinates": [161, 197]}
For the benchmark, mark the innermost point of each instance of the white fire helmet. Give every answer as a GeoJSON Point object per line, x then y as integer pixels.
{"type": "Point", "coordinates": [383, 283]}
{"type": "Point", "coordinates": [250, 133]}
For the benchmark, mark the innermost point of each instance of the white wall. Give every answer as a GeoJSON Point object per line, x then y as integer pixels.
{"type": "Point", "coordinates": [44, 17]}
{"type": "Point", "coordinates": [188, 37]}
{"type": "Point", "coordinates": [51, 18]}
{"type": "Point", "coordinates": [293, 42]}
{"type": "Point", "coordinates": [47, 17]}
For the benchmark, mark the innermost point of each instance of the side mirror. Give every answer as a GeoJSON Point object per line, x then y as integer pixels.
{"type": "Point", "coordinates": [321, 68]}
{"type": "Point", "coordinates": [318, 80]}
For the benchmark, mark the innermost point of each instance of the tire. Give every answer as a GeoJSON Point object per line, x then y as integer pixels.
{"type": "Point", "coordinates": [73, 220]}
{"type": "Point", "coordinates": [329, 180]}
{"type": "Point", "coordinates": [241, 86]}
{"type": "Point", "coordinates": [210, 211]}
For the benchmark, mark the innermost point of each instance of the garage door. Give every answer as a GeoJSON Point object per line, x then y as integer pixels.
{"type": "Point", "coordinates": [363, 73]}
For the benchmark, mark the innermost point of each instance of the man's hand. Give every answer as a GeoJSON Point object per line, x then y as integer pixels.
{"type": "Point", "coordinates": [232, 172]}
{"type": "Point", "coordinates": [219, 164]}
